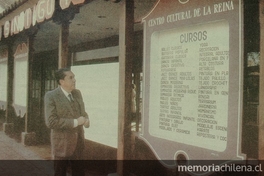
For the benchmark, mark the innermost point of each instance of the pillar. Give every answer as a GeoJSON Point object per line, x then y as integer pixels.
{"type": "Point", "coordinates": [261, 87]}
{"type": "Point", "coordinates": [126, 32]}
{"type": "Point", "coordinates": [63, 45]}
{"type": "Point", "coordinates": [29, 136]}
{"type": "Point", "coordinates": [8, 125]}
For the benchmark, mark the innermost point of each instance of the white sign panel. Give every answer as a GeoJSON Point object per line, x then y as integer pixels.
{"type": "Point", "coordinates": [189, 85]}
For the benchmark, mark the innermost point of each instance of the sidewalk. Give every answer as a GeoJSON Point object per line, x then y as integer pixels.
{"type": "Point", "coordinates": [17, 159]}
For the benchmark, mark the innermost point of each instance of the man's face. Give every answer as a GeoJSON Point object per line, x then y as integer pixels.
{"type": "Point", "coordinates": [68, 83]}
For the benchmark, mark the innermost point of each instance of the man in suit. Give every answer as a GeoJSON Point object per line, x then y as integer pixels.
{"type": "Point", "coordinates": [65, 115]}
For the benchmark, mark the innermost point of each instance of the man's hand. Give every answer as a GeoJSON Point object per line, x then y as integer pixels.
{"type": "Point", "coordinates": [87, 123]}
{"type": "Point", "coordinates": [81, 120]}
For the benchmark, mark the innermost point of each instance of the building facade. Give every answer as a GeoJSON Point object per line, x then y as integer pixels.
{"type": "Point", "coordinates": [111, 45]}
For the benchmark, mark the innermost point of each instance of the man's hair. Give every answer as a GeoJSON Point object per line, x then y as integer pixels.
{"type": "Point", "coordinates": [60, 74]}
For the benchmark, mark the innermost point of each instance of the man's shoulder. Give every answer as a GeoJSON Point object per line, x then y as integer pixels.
{"type": "Point", "coordinates": [76, 92]}
{"type": "Point", "coordinates": [52, 92]}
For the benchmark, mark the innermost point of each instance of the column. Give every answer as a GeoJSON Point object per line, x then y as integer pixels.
{"type": "Point", "coordinates": [29, 136]}
{"type": "Point", "coordinates": [8, 126]}
{"type": "Point", "coordinates": [126, 31]}
{"type": "Point", "coordinates": [261, 86]}
{"type": "Point", "coordinates": [63, 45]}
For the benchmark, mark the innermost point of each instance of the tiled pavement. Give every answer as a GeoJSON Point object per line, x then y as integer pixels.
{"type": "Point", "coordinates": [19, 160]}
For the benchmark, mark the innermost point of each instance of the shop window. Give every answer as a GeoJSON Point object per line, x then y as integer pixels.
{"type": "Point", "coordinates": [3, 85]}
{"type": "Point", "coordinates": [250, 132]}
{"type": "Point", "coordinates": [99, 86]}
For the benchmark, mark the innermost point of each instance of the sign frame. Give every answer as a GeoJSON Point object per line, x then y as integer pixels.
{"type": "Point", "coordinates": [189, 14]}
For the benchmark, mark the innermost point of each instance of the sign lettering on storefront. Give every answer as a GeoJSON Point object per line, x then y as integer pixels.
{"type": "Point", "coordinates": [66, 3]}
{"type": "Point", "coordinates": [40, 12]}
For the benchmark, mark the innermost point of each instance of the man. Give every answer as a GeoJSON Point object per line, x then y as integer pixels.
{"type": "Point", "coordinates": [65, 115]}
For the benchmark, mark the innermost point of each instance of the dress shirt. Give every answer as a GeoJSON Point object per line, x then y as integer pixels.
{"type": "Point", "coordinates": [67, 96]}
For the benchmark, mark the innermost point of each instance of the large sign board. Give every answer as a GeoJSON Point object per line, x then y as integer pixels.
{"type": "Point", "coordinates": [193, 80]}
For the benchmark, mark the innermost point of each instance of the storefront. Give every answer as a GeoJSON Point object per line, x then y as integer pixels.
{"type": "Point", "coordinates": [196, 67]}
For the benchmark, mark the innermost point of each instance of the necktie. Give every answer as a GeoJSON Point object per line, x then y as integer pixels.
{"type": "Point", "coordinates": [70, 97]}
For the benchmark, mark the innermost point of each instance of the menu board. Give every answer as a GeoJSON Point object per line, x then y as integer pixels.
{"type": "Point", "coordinates": [189, 85]}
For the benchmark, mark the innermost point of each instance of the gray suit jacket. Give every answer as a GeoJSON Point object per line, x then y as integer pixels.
{"type": "Point", "coordinates": [59, 117]}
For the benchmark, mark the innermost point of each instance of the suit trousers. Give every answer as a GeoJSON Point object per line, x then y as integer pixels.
{"type": "Point", "coordinates": [75, 162]}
